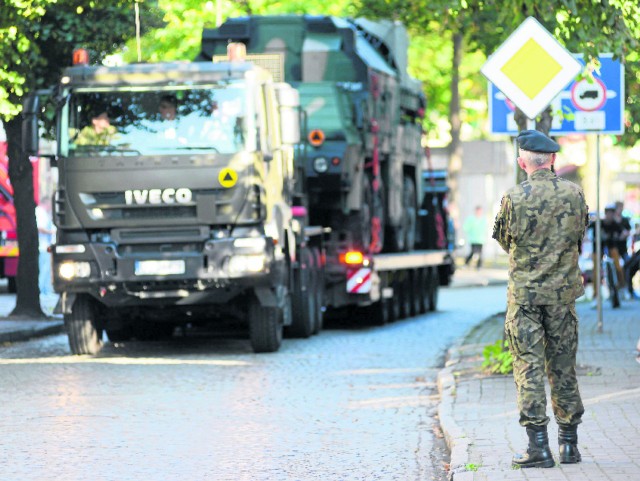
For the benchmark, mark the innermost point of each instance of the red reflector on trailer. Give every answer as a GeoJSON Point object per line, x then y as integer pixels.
{"type": "Point", "coordinates": [352, 258]}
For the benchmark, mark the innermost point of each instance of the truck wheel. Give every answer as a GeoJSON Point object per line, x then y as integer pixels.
{"type": "Point", "coordinates": [265, 327]}
{"type": "Point", "coordinates": [403, 237]}
{"type": "Point", "coordinates": [434, 285]}
{"type": "Point", "coordinates": [422, 288]}
{"type": "Point", "coordinates": [11, 285]}
{"type": "Point", "coordinates": [369, 219]}
{"type": "Point", "coordinates": [396, 300]}
{"type": "Point", "coordinates": [81, 324]}
{"type": "Point", "coordinates": [304, 300]}
{"type": "Point", "coordinates": [318, 290]}
{"type": "Point", "coordinates": [416, 295]}
{"type": "Point", "coordinates": [410, 213]}
{"type": "Point", "coordinates": [405, 295]}
{"type": "Point", "coordinates": [379, 313]}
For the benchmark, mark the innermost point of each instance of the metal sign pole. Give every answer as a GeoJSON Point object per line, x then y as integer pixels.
{"type": "Point", "coordinates": [598, 263]}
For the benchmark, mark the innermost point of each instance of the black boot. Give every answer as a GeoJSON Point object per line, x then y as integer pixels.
{"type": "Point", "coordinates": [568, 442]}
{"type": "Point", "coordinates": [538, 454]}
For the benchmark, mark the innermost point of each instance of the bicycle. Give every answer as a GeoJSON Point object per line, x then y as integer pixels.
{"type": "Point", "coordinates": [610, 275]}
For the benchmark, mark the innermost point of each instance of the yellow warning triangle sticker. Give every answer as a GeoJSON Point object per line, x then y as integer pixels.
{"type": "Point", "coordinates": [228, 178]}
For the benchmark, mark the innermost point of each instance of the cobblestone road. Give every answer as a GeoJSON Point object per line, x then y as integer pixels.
{"type": "Point", "coordinates": [349, 404]}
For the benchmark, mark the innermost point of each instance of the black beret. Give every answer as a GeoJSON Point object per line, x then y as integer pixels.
{"type": "Point", "coordinates": [536, 141]}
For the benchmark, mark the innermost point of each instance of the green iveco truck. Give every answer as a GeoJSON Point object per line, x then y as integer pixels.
{"type": "Point", "coordinates": [174, 202]}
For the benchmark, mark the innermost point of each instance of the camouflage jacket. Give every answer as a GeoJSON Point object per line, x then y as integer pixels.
{"type": "Point", "coordinates": [541, 225]}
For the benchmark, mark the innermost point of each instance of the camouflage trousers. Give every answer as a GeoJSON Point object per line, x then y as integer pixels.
{"type": "Point", "coordinates": [544, 340]}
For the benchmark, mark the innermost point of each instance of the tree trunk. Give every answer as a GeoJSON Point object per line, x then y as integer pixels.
{"type": "Point", "coordinates": [21, 176]}
{"type": "Point", "coordinates": [455, 148]}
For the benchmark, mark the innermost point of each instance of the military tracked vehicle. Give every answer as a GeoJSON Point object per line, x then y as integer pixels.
{"type": "Point", "coordinates": [359, 166]}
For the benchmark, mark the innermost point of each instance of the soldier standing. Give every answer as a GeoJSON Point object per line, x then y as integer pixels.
{"type": "Point", "coordinates": [540, 225]}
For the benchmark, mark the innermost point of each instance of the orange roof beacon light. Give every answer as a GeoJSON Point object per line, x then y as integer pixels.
{"type": "Point", "coordinates": [80, 56]}
{"type": "Point", "coordinates": [316, 137]}
{"type": "Point", "coordinates": [352, 258]}
{"type": "Point", "coordinates": [236, 52]}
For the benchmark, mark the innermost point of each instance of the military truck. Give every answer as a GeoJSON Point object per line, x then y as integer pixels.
{"type": "Point", "coordinates": [359, 164]}
{"type": "Point", "coordinates": [174, 203]}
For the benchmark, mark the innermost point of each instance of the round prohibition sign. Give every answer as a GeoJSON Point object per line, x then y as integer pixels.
{"type": "Point", "coordinates": [589, 95]}
{"type": "Point", "coordinates": [227, 178]}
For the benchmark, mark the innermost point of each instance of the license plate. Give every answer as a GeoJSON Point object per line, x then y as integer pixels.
{"type": "Point", "coordinates": [159, 268]}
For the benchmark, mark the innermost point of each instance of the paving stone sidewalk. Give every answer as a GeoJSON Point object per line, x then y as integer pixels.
{"type": "Point", "coordinates": [479, 417]}
{"type": "Point", "coordinates": [21, 330]}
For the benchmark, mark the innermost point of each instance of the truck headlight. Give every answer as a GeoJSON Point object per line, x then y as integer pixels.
{"type": "Point", "coordinates": [72, 270]}
{"type": "Point", "coordinates": [320, 165]}
{"type": "Point", "coordinates": [247, 264]}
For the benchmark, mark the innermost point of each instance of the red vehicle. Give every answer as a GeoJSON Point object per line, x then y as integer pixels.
{"type": "Point", "coordinates": [8, 234]}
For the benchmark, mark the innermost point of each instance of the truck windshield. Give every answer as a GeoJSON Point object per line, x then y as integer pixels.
{"type": "Point", "coordinates": [150, 122]}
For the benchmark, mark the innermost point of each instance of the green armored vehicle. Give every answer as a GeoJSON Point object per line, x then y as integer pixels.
{"type": "Point", "coordinates": [362, 114]}
{"type": "Point", "coordinates": [359, 163]}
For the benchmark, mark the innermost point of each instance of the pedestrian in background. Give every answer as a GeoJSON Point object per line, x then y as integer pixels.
{"type": "Point", "coordinates": [46, 230]}
{"type": "Point", "coordinates": [541, 224]}
{"type": "Point", "coordinates": [475, 228]}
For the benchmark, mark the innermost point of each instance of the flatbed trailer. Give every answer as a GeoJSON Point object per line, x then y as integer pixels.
{"type": "Point", "coordinates": [387, 286]}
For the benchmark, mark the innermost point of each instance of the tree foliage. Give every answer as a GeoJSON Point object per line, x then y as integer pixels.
{"type": "Point", "coordinates": [37, 38]}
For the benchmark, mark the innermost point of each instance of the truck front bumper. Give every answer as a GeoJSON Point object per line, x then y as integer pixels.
{"type": "Point", "coordinates": [215, 272]}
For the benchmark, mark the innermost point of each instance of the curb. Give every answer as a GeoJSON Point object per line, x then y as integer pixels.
{"type": "Point", "coordinates": [455, 437]}
{"type": "Point", "coordinates": [30, 330]}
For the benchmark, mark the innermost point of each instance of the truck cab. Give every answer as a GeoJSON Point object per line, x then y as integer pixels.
{"type": "Point", "coordinates": [174, 200]}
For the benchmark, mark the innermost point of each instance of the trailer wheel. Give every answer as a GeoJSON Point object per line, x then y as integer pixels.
{"type": "Point", "coordinates": [434, 285]}
{"type": "Point", "coordinates": [265, 327]}
{"type": "Point", "coordinates": [422, 289]}
{"type": "Point", "coordinates": [369, 219]}
{"type": "Point", "coordinates": [416, 295]}
{"type": "Point", "coordinates": [303, 302]}
{"type": "Point", "coordinates": [11, 285]}
{"type": "Point", "coordinates": [318, 290]}
{"type": "Point", "coordinates": [405, 295]}
{"type": "Point", "coordinates": [396, 300]}
{"type": "Point", "coordinates": [411, 213]}
{"type": "Point", "coordinates": [82, 327]}
{"type": "Point", "coordinates": [403, 236]}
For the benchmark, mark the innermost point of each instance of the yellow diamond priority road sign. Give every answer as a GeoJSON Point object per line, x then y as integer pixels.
{"type": "Point", "coordinates": [530, 68]}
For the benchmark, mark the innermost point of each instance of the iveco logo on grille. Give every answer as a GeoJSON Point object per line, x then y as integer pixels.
{"type": "Point", "coordinates": [158, 196]}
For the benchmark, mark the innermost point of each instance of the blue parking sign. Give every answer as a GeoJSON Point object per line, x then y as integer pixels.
{"type": "Point", "coordinates": [594, 106]}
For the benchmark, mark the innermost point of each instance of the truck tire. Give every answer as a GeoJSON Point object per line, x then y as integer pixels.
{"type": "Point", "coordinates": [411, 213]}
{"type": "Point", "coordinates": [81, 324]}
{"type": "Point", "coordinates": [303, 302]}
{"type": "Point", "coordinates": [265, 327]}
{"type": "Point", "coordinates": [396, 300]}
{"type": "Point", "coordinates": [422, 290]}
{"type": "Point", "coordinates": [405, 295]}
{"type": "Point", "coordinates": [363, 222]}
{"type": "Point", "coordinates": [403, 236]}
{"type": "Point", "coordinates": [12, 288]}
{"type": "Point", "coordinates": [416, 295]}
{"type": "Point", "coordinates": [318, 290]}
{"type": "Point", "coordinates": [434, 285]}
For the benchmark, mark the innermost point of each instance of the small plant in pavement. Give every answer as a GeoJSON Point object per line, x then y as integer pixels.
{"type": "Point", "coordinates": [497, 358]}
